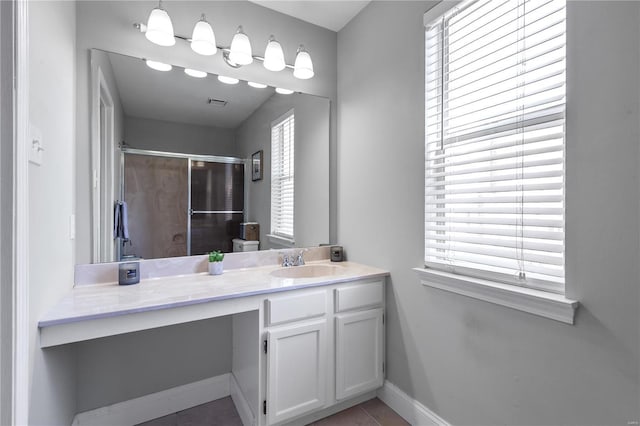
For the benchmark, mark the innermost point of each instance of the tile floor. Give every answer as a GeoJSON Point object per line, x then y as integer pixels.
{"type": "Point", "coordinates": [222, 412]}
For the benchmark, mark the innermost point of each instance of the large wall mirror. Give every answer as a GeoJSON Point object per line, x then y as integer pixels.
{"type": "Point", "coordinates": [176, 149]}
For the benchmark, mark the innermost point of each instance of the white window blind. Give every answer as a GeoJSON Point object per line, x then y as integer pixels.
{"type": "Point", "coordinates": [282, 176]}
{"type": "Point", "coordinates": [494, 141]}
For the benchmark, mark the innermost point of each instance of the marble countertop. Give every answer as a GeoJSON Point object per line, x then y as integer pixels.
{"type": "Point", "coordinates": [108, 300]}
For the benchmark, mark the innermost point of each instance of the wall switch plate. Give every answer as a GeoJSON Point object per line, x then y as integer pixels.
{"type": "Point", "coordinates": [36, 147]}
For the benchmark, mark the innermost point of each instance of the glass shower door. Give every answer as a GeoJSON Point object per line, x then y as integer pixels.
{"type": "Point", "coordinates": [154, 189]}
{"type": "Point", "coordinates": [217, 205]}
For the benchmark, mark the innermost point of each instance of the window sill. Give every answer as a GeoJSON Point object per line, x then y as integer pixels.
{"type": "Point", "coordinates": [544, 304]}
{"type": "Point", "coordinates": [281, 241]}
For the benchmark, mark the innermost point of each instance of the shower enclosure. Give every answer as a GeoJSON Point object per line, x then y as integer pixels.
{"type": "Point", "coordinates": [180, 204]}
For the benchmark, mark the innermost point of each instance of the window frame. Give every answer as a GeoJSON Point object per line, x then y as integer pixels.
{"type": "Point", "coordinates": [276, 233]}
{"type": "Point", "coordinates": [486, 285]}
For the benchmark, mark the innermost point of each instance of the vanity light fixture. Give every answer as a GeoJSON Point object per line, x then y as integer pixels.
{"type": "Point", "coordinates": [203, 41]}
{"type": "Point", "coordinates": [256, 85]}
{"type": "Point", "coordinates": [303, 67]}
{"type": "Point", "coordinates": [159, 30]}
{"type": "Point", "coordinates": [240, 50]}
{"type": "Point", "coordinates": [158, 66]}
{"type": "Point", "coordinates": [227, 80]}
{"type": "Point", "coordinates": [283, 91]}
{"type": "Point", "coordinates": [159, 27]}
{"type": "Point", "coordinates": [273, 55]}
{"type": "Point", "coordinates": [195, 73]}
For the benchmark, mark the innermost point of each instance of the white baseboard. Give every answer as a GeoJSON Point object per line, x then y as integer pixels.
{"type": "Point", "coordinates": [242, 406]}
{"type": "Point", "coordinates": [152, 406]}
{"type": "Point", "coordinates": [157, 404]}
{"type": "Point", "coordinates": [410, 409]}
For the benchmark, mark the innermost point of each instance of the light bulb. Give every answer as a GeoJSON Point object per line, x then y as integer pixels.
{"type": "Point", "coordinates": [256, 85]}
{"type": "Point", "coordinates": [283, 91]}
{"type": "Point", "coordinates": [240, 51]}
{"type": "Point", "coordinates": [303, 67]}
{"type": "Point", "coordinates": [160, 28]}
{"type": "Point", "coordinates": [203, 41]}
{"type": "Point", "coordinates": [158, 66]}
{"type": "Point", "coordinates": [195, 73]}
{"type": "Point", "coordinates": [273, 56]}
{"type": "Point", "coordinates": [227, 80]}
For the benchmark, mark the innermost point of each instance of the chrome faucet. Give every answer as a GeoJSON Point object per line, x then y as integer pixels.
{"type": "Point", "coordinates": [292, 259]}
{"type": "Point", "coordinates": [287, 260]}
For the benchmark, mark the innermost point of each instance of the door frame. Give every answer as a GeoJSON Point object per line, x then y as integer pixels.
{"type": "Point", "coordinates": [14, 273]}
{"type": "Point", "coordinates": [102, 166]}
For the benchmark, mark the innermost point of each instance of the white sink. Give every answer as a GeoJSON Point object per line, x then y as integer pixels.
{"type": "Point", "coordinates": [307, 271]}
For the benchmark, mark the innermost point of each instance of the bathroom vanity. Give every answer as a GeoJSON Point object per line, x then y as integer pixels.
{"type": "Point", "coordinates": [305, 338]}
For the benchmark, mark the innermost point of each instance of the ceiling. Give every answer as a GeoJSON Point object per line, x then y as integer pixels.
{"type": "Point", "coordinates": [330, 14]}
{"type": "Point", "coordinates": [174, 96]}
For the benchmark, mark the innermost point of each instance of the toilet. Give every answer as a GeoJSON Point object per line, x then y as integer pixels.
{"type": "Point", "coordinates": [245, 245]}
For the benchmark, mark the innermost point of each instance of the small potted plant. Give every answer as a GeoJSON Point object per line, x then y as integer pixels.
{"type": "Point", "coordinates": [215, 262]}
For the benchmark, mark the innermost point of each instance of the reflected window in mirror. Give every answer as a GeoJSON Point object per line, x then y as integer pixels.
{"type": "Point", "coordinates": [282, 176]}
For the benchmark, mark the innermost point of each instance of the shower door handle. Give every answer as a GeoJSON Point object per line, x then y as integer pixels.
{"type": "Point", "coordinates": [192, 212]}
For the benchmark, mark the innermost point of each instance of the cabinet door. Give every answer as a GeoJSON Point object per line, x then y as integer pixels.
{"type": "Point", "coordinates": [359, 352]}
{"type": "Point", "coordinates": [296, 370]}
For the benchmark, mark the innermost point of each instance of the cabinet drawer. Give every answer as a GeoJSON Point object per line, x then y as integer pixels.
{"type": "Point", "coordinates": [359, 296]}
{"type": "Point", "coordinates": [295, 307]}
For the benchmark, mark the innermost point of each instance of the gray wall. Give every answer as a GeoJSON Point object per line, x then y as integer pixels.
{"type": "Point", "coordinates": [470, 361]}
{"type": "Point", "coordinates": [144, 133]}
{"type": "Point", "coordinates": [120, 368]}
{"type": "Point", "coordinates": [51, 196]}
{"type": "Point", "coordinates": [311, 190]}
{"type": "Point", "coordinates": [107, 25]}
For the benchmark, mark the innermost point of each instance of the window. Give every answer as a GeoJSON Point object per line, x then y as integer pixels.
{"type": "Point", "coordinates": [282, 174]}
{"type": "Point", "coordinates": [494, 141]}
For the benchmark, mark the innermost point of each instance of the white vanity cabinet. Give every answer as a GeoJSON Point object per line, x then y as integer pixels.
{"type": "Point", "coordinates": [296, 350]}
{"type": "Point", "coordinates": [302, 348]}
{"type": "Point", "coordinates": [322, 347]}
{"type": "Point", "coordinates": [359, 338]}
{"type": "Point", "coordinates": [359, 352]}
{"type": "Point", "coordinates": [296, 370]}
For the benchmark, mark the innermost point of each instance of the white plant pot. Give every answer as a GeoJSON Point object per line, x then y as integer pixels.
{"type": "Point", "coordinates": [215, 268]}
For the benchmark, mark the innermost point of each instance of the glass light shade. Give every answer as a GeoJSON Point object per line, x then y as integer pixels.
{"type": "Point", "coordinates": [256, 85]}
{"type": "Point", "coordinates": [283, 91]}
{"type": "Point", "coordinates": [273, 56]}
{"type": "Point", "coordinates": [240, 51]}
{"type": "Point", "coordinates": [203, 41]}
{"type": "Point", "coordinates": [195, 73]}
{"type": "Point", "coordinates": [158, 66]}
{"type": "Point", "coordinates": [160, 28]}
{"type": "Point", "coordinates": [303, 67]}
{"type": "Point", "coordinates": [227, 80]}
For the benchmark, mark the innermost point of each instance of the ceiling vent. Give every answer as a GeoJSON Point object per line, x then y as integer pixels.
{"type": "Point", "coordinates": [217, 102]}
